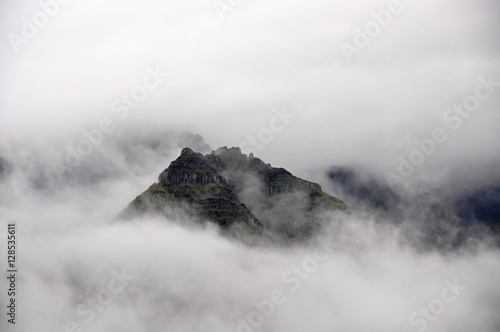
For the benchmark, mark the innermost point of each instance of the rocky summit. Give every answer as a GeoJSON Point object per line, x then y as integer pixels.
{"type": "Point", "coordinates": [229, 188]}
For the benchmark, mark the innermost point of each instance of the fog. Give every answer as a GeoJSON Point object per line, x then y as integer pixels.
{"type": "Point", "coordinates": [357, 274]}
{"type": "Point", "coordinates": [271, 78]}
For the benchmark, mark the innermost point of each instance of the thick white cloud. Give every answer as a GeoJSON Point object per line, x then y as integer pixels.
{"type": "Point", "coordinates": [227, 76]}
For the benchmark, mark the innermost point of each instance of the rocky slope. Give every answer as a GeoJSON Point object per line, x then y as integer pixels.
{"type": "Point", "coordinates": [229, 188]}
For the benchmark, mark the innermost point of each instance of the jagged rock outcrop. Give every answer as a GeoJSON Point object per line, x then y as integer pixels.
{"type": "Point", "coordinates": [279, 181]}
{"type": "Point", "coordinates": [229, 188]}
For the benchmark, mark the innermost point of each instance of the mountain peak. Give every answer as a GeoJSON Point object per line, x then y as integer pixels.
{"type": "Point", "coordinates": [229, 188]}
{"type": "Point", "coordinates": [187, 152]}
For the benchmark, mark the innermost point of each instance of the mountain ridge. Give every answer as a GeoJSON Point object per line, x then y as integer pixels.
{"type": "Point", "coordinates": [229, 188]}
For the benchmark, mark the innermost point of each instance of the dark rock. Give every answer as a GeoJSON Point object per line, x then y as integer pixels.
{"type": "Point", "coordinates": [216, 187]}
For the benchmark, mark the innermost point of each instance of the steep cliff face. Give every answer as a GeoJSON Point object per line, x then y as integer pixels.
{"type": "Point", "coordinates": [229, 188]}
{"type": "Point", "coordinates": [192, 186]}
{"type": "Point", "coordinates": [191, 167]}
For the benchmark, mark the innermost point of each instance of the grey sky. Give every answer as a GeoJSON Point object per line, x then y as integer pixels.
{"type": "Point", "coordinates": [226, 76]}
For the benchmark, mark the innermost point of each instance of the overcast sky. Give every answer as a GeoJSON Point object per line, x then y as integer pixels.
{"type": "Point", "coordinates": [230, 67]}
